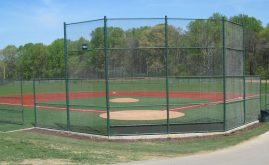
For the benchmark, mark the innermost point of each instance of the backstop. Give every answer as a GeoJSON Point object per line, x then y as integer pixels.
{"type": "Point", "coordinates": [150, 76]}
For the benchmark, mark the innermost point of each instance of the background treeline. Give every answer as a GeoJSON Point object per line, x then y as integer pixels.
{"type": "Point", "coordinates": [39, 60]}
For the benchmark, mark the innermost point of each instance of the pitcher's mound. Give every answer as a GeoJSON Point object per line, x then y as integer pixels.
{"type": "Point", "coordinates": [124, 100]}
{"type": "Point", "coordinates": [142, 115]}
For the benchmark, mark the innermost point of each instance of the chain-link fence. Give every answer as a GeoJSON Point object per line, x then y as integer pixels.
{"type": "Point", "coordinates": [265, 81]}
{"type": "Point", "coordinates": [150, 76]}
{"type": "Point", "coordinates": [11, 101]}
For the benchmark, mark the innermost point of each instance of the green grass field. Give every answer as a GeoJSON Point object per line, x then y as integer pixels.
{"type": "Point", "coordinates": [19, 147]}
{"type": "Point", "coordinates": [32, 147]}
{"type": "Point", "coordinates": [90, 122]}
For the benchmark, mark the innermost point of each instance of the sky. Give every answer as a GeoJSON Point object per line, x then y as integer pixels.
{"type": "Point", "coordinates": [41, 21]}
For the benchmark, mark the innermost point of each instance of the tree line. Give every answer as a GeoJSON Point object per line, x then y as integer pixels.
{"type": "Point", "coordinates": [194, 50]}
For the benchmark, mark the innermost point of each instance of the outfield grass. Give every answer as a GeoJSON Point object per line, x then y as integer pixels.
{"type": "Point", "coordinates": [152, 102]}
{"type": "Point", "coordinates": [19, 146]}
{"type": "Point", "coordinates": [204, 85]}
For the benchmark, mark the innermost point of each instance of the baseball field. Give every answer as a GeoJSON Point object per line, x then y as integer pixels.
{"type": "Point", "coordinates": [131, 103]}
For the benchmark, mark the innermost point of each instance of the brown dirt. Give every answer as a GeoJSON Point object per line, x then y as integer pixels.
{"type": "Point", "coordinates": [124, 100]}
{"type": "Point", "coordinates": [142, 115]}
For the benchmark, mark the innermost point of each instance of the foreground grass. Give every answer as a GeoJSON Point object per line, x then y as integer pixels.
{"type": "Point", "coordinates": [21, 146]}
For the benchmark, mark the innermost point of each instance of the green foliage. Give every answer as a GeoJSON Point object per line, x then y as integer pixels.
{"type": "Point", "coordinates": [48, 61]}
{"type": "Point", "coordinates": [9, 66]}
{"type": "Point", "coordinates": [262, 71]}
{"type": "Point", "coordinates": [116, 37]}
{"type": "Point", "coordinates": [56, 59]}
{"type": "Point", "coordinates": [263, 49]}
{"type": "Point", "coordinates": [204, 34]}
{"type": "Point", "coordinates": [135, 35]}
{"type": "Point", "coordinates": [264, 34]}
{"type": "Point", "coordinates": [34, 60]}
{"type": "Point", "coordinates": [250, 23]}
{"type": "Point", "coordinates": [252, 28]}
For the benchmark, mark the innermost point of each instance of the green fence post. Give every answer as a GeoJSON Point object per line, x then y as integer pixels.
{"type": "Point", "coordinates": [166, 75]}
{"type": "Point", "coordinates": [260, 93]}
{"type": "Point", "coordinates": [66, 79]}
{"type": "Point", "coordinates": [244, 77]}
{"type": "Point", "coordinates": [266, 97]}
{"type": "Point", "coordinates": [224, 71]}
{"type": "Point", "coordinates": [266, 84]}
{"type": "Point", "coordinates": [106, 76]}
{"type": "Point", "coordinates": [22, 105]}
{"type": "Point", "coordinates": [35, 110]}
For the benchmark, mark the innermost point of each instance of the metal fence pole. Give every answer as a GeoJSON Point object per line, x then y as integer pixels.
{"type": "Point", "coordinates": [35, 110]}
{"type": "Point", "coordinates": [266, 84]}
{"type": "Point", "coordinates": [266, 97]}
{"type": "Point", "coordinates": [66, 79]}
{"type": "Point", "coordinates": [106, 76]}
{"type": "Point", "coordinates": [166, 75]}
{"type": "Point", "coordinates": [244, 77]}
{"type": "Point", "coordinates": [260, 93]}
{"type": "Point", "coordinates": [224, 70]}
{"type": "Point", "coordinates": [22, 105]}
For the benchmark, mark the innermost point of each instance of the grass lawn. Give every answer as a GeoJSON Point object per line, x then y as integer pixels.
{"type": "Point", "coordinates": [20, 147]}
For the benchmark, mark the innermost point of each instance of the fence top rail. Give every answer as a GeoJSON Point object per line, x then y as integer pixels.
{"type": "Point", "coordinates": [153, 18]}
{"type": "Point", "coordinates": [141, 48]}
{"type": "Point", "coordinates": [80, 22]}
{"type": "Point", "coordinates": [43, 79]}
{"type": "Point", "coordinates": [236, 23]}
{"type": "Point", "coordinates": [145, 77]}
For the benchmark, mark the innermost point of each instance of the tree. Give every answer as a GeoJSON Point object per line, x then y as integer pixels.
{"type": "Point", "coordinates": [2, 70]}
{"type": "Point", "coordinates": [205, 57]}
{"type": "Point", "coordinates": [263, 52]}
{"type": "Point", "coordinates": [9, 54]}
{"type": "Point", "coordinates": [34, 59]}
{"type": "Point", "coordinates": [252, 28]}
{"type": "Point", "coordinates": [56, 59]}
{"type": "Point", "coordinates": [154, 56]}
{"type": "Point", "coordinates": [116, 39]}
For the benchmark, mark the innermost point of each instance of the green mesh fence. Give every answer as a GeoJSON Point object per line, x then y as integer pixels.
{"type": "Point", "coordinates": [264, 93]}
{"type": "Point", "coordinates": [195, 65]}
{"type": "Point", "coordinates": [87, 77]}
{"type": "Point", "coordinates": [11, 91]}
{"type": "Point", "coordinates": [267, 94]}
{"type": "Point", "coordinates": [11, 101]}
{"type": "Point", "coordinates": [234, 65]}
{"type": "Point", "coordinates": [50, 104]}
{"type": "Point", "coordinates": [150, 76]}
{"type": "Point", "coordinates": [253, 87]}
